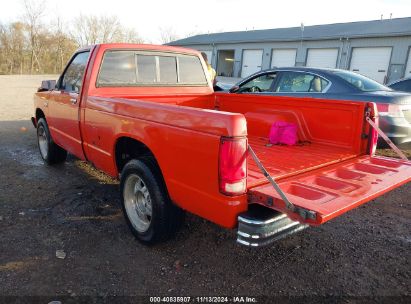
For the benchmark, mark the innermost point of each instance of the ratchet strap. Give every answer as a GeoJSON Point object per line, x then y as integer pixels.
{"type": "Point", "coordinates": [385, 137]}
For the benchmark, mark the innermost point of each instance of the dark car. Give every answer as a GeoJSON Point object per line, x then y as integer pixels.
{"type": "Point", "coordinates": [394, 107]}
{"type": "Point", "coordinates": [403, 85]}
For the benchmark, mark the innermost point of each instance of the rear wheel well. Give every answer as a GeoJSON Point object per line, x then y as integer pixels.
{"type": "Point", "coordinates": [127, 149]}
{"type": "Point", "coordinates": [39, 114]}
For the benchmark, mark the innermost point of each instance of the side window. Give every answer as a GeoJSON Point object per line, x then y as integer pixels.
{"type": "Point", "coordinates": [73, 76]}
{"type": "Point", "coordinates": [261, 83]}
{"type": "Point", "coordinates": [296, 82]}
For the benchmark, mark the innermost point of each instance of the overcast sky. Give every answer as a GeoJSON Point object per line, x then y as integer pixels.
{"type": "Point", "coordinates": [186, 16]}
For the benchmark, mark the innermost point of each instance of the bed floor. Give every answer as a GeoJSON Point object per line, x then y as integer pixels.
{"type": "Point", "coordinates": [283, 161]}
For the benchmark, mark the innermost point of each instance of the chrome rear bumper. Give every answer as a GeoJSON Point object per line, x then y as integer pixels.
{"type": "Point", "coordinates": [260, 227]}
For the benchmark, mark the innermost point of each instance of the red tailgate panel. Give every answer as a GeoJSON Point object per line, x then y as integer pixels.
{"type": "Point", "coordinates": [334, 190]}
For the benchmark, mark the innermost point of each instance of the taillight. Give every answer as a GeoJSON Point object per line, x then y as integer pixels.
{"type": "Point", "coordinates": [393, 110]}
{"type": "Point", "coordinates": [233, 166]}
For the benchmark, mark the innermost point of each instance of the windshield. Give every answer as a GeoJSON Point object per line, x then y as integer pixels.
{"type": "Point", "coordinates": [361, 82]}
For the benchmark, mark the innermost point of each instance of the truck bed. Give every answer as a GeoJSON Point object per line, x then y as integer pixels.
{"type": "Point", "coordinates": [284, 161]}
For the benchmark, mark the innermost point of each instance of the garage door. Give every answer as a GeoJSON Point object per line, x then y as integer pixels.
{"type": "Point", "coordinates": [252, 60]}
{"type": "Point", "coordinates": [322, 58]}
{"type": "Point", "coordinates": [408, 67]}
{"type": "Point", "coordinates": [283, 57]}
{"type": "Point", "coordinates": [372, 62]}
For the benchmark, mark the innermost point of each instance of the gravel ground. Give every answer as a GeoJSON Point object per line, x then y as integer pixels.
{"type": "Point", "coordinates": [363, 255]}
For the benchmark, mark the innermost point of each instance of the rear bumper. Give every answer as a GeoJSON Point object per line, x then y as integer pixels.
{"type": "Point", "coordinates": [260, 226]}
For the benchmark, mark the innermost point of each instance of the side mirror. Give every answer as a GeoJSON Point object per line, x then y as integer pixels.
{"type": "Point", "coordinates": [234, 89]}
{"type": "Point", "coordinates": [47, 85]}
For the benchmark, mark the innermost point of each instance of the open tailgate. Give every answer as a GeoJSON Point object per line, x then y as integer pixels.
{"type": "Point", "coordinates": [336, 189]}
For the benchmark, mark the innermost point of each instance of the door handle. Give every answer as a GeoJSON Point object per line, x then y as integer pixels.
{"type": "Point", "coordinates": [73, 100]}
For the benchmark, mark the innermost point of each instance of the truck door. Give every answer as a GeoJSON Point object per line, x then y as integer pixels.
{"type": "Point", "coordinates": [64, 104]}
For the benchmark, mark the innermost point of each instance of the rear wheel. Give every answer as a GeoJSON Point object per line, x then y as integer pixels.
{"type": "Point", "coordinates": [49, 151]}
{"type": "Point", "coordinates": [147, 208]}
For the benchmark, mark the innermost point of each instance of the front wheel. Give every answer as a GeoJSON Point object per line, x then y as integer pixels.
{"type": "Point", "coordinates": [147, 208]}
{"type": "Point", "coordinates": [49, 151]}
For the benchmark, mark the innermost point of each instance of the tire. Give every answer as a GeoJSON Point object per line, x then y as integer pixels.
{"type": "Point", "coordinates": [147, 208]}
{"type": "Point", "coordinates": [49, 151]}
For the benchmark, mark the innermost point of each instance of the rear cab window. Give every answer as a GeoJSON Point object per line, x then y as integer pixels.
{"type": "Point", "coordinates": [142, 68]}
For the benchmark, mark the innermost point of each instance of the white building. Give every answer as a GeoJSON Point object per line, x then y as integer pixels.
{"type": "Point", "coordinates": [379, 49]}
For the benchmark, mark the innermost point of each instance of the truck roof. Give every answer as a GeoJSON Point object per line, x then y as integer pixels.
{"type": "Point", "coordinates": [153, 47]}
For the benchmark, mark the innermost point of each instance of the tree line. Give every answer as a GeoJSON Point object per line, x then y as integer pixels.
{"type": "Point", "coordinates": [30, 46]}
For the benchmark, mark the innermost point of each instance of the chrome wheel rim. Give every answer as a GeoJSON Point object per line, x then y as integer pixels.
{"type": "Point", "coordinates": [43, 141]}
{"type": "Point", "coordinates": [137, 202]}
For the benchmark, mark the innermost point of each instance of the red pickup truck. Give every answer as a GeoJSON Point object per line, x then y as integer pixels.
{"type": "Point", "coordinates": [148, 115]}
